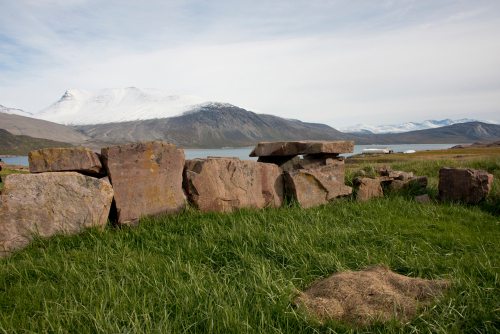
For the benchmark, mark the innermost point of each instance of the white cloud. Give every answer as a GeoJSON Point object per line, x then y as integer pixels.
{"type": "Point", "coordinates": [400, 60]}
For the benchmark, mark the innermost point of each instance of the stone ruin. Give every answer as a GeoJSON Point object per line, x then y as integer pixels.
{"type": "Point", "coordinates": [369, 187]}
{"type": "Point", "coordinates": [74, 188]}
{"type": "Point", "coordinates": [316, 178]}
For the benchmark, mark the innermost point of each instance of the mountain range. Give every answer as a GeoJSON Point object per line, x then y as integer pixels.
{"type": "Point", "coordinates": [409, 126]}
{"type": "Point", "coordinates": [117, 116]}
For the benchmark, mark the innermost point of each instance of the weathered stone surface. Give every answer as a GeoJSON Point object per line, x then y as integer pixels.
{"type": "Point", "coordinates": [403, 176]}
{"type": "Point", "coordinates": [317, 186]}
{"type": "Point", "coordinates": [384, 170]}
{"type": "Point", "coordinates": [285, 163]}
{"type": "Point", "coordinates": [48, 204]}
{"type": "Point", "coordinates": [313, 161]}
{"type": "Point", "coordinates": [422, 199]}
{"type": "Point", "coordinates": [367, 189]}
{"type": "Point", "coordinates": [147, 179]}
{"type": "Point", "coordinates": [301, 147]}
{"type": "Point", "coordinates": [385, 179]}
{"type": "Point", "coordinates": [465, 184]}
{"type": "Point", "coordinates": [226, 185]}
{"type": "Point", "coordinates": [414, 181]}
{"type": "Point", "coordinates": [76, 159]}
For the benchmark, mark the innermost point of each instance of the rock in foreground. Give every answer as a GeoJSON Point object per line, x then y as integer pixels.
{"type": "Point", "coordinates": [464, 184]}
{"type": "Point", "coordinates": [146, 178]}
{"type": "Point", "coordinates": [302, 147]}
{"type": "Point", "coordinates": [48, 204]}
{"type": "Point", "coordinates": [75, 159]}
{"type": "Point", "coordinates": [316, 186]}
{"type": "Point", "coordinates": [224, 185]}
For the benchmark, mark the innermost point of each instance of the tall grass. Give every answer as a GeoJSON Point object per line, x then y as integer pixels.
{"type": "Point", "coordinates": [239, 273]}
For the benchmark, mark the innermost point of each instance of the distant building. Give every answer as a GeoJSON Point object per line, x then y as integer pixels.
{"type": "Point", "coordinates": [377, 151]}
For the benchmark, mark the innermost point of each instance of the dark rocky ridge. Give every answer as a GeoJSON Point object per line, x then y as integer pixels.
{"type": "Point", "coordinates": [222, 125]}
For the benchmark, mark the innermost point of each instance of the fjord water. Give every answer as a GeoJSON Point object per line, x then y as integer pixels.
{"type": "Point", "coordinates": [243, 153]}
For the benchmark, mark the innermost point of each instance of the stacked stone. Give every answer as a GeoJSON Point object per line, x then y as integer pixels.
{"type": "Point", "coordinates": [367, 188]}
{"type": "Point", "coordinates": [316, 178]}
{"type": "Point", "coordinates": [73, 188]}
{"type": "Point", "coordinates": [63, 195]}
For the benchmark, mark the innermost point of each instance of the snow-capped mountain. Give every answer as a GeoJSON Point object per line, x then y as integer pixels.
{"type": "Point", "coordinates": [410, 126]}
{"type": "Point", "coordinates": [13, 111]}
{"type": "Point", "coordinates": [84, 107]}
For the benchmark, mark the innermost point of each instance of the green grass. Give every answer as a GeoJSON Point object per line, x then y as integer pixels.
{"type": "Point", "coordinates": [239, 272]}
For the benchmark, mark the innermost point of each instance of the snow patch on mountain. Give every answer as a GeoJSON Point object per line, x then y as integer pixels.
{"type": "Point", "coordinates": [13, 111]}
{"type": "Point", "coordinates": [84, 107]}
{"type": "Point", "coordinates": [409, 126]}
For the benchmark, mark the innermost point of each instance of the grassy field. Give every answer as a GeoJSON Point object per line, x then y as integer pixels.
{"type": "Point", "coordinates": [239, 272]}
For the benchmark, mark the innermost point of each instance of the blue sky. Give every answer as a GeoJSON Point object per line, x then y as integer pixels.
{"type": "Point", "coordinates": [334, 62]}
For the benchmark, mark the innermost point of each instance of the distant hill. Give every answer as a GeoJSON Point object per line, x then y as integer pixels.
{"type": "Point", "coordinates": [13, 111]}
{"type": "Point", "coordinates": [212, 126]}
{"type": "Point", "coordinates": [118, 116]}
{"type": "Point", "coordinates": [21, 145]}
{"type": "Point", "coordinates": [409, 126]}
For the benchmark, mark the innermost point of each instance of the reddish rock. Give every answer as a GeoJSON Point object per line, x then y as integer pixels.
{"type": "Point", "coordinates": [285, 163]}
{"type": "Point", "coordinates": [76, 159]}
{"type": "Point", "coordinates": [405, 176]}
{"type": "Point", "coordinates": [414, 181]}
{"type": "Point", "coordinates": [464, 184]}
{"type": "Point", "coordinates": [224, 185]}
{"type": "Point", "coordinates": [48, 204]}
{"type": "Point", "coordinates": [367, 188]}
{"type": "Point", "coordinates": [385, 179]}
{"type": "Point", "coordinates": [301, 147]}
{"type": "Point", "coordinates": [317, 186]}
{"type": "Point", "coordinates": [147, 179]}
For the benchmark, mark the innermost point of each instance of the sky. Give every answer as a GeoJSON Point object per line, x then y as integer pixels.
{"type": "Point", "coordinates": [335, 62]}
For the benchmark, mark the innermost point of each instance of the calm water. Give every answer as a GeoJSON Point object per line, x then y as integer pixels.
{"type": "Point", "coordinates": [243, 153]}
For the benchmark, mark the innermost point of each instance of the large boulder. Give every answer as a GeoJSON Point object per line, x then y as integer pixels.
{"type": "Point", "coordinates": [367, 188]}
{"type": "Point", "coordinates": [464, 184]}
{"type": "Point", "coordinates": [147, 179]}
{"type": "Point", "coordinates": [50, 203]}
{"type": "Point", "coordinates": [301, 147]}
{"type": "Point", "coordinates": [75, 159]}
{"type": "Point", "coordinates": [316, 186]}
{"type": "Point", "coordinates": [224, 185]}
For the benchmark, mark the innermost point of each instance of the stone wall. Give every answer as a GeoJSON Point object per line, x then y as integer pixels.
{"type": "Point", "coordinates": [74, 188]}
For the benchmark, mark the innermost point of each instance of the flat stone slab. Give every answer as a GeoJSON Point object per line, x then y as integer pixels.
{"type": "Point", "coordinates": [316, 186]}
{"type": "Point", "coordinates": [76, 159]}
{"type": "Point", "coordinates": [48, 204]}
{"type": "Point", "coordinates": [301, 147]}
{"type": "Point", "coordinates": [224, 185]}
{"type": "Point", "coordinates": [464, 184]}
{"type": "Point", "coordinates": [147, 179]}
